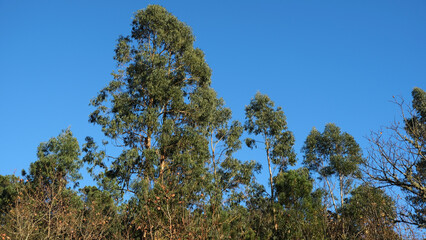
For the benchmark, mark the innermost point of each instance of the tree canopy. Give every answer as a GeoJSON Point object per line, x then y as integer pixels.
{"type": "Point", "coordinates": [168, 165]}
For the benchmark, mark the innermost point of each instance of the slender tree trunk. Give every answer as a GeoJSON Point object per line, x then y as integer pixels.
{"type": "Point", "coordinates": [341, 204]}
{"type": "Point", "coordinates": [215, 197]}
{"type": "Point", "coordinates": [147, 143]}
{"type": "Point", "coordinates": [341, 189]}
{"type": "Point", "coordinates": [162, 166]}
{"type": "Point", "coordinates": [49, 214]}
{"type": "Point", "coordinates": [163, 155]}
{"type": "Point", "coordinates": [331, 193]}
{"type": "Point", "coordinates": [329, 188]}
{"type": "Point", "coordinates": [272, 187]}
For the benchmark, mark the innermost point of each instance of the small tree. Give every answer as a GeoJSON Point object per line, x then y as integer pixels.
{"type": "Point", "coordinates": [8, 193]}
{"type": "Point", "coordinates": [44, 204]}
{"type": "Point", "coordinates": [58, 161]}
{"type": "Point", "coordinates": [333, 154]}
{"type": "Point", "coordinates": [229, 175]}
{"type": "Point", "coordinates": [370, 214]}
{"type": "Point", "coordinates": [96, 218]}
{"type": "Point", "coordinates": [268, 122]}
{"type": "Point", "coordinates": [302, 214]}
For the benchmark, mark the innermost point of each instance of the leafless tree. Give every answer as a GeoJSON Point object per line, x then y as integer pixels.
{"type": "Point", "coordinates": [397, 158]}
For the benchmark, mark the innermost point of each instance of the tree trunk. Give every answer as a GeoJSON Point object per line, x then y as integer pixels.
{"type": "Point", "coordinates": [272, 187]}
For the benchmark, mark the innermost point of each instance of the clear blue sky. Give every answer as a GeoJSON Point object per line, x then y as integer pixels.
{"type": "Point", "coordinates": [322, 61]}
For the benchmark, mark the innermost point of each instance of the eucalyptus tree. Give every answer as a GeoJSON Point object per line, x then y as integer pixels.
{"type": "Point", "coordinates": [151, 110]}
{"type": "Point", "coordinates": [229, 175]}
{"type": "Point", "coordinates": [269, 123]}
{"type": "Point", "coordinates": [333, 153]}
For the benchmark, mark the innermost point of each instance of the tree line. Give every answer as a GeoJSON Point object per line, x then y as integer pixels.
{"type": "Point", "coordinates": [175, 174]}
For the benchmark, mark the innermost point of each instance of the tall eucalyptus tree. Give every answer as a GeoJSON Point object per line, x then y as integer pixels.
{"type": "Point", "coordinates": [269, 123]}
{"type": "Point", "coordinates": [156, 110]}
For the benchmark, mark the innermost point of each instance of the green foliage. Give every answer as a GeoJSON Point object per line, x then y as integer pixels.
{"type": "Point", "coordinates": [416, 128]}
{"type": "Point", "coordinates": [229, 175]}
{"type": "Point", "coordinates": [97, 215]}
{"type": "Point", "coordinates": [263, 119]}
{"type": "Point", "coordinates": [260, 217]}
{"type": "Point", "coordinates": [8, 192]}
{"type": "Point", "coordinates": [293, 187]}
{"type": "Point", "coordinates": [43, 206]}
{"type": "Point", "coordinates": [369, 214]}
{"type": "Point", "coordinates": [162, 113]}
{"type": "Point", "coordinates": [302, 214]}
{"type": "Point", "coordinates": [173, 172]}
{"type": "Point", "coordinates": [333, 154]}
{"type": "Point", "coordinates": [152, 109]}
{"type": "Point", "coordinates": [58, 160]}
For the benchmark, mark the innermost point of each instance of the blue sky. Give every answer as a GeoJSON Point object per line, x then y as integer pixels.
{"type": "Point", "coordinates": [322, 61]}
